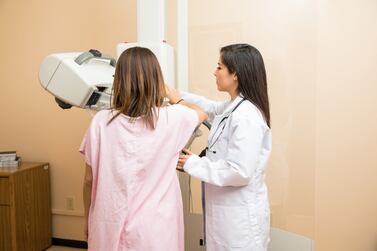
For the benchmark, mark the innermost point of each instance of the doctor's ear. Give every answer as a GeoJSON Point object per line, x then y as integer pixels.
{"type": "Point", "coordinates": [235, 77]}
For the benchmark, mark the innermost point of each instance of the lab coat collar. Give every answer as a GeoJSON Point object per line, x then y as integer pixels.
{"type": "Point", "coordinates": [233, 103]}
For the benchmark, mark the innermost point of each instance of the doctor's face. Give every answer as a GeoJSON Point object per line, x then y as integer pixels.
{"type": "Point", "coordinates": [225, 81]}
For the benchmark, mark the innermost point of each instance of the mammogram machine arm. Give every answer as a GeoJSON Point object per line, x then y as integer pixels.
{"type": "Point", "coordinates": [85, 80]}
{"type": "Point", "coordinates": [79, 79]}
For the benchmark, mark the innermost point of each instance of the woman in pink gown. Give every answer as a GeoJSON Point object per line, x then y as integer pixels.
{"type": "Point", "coordinates": [132, 196]}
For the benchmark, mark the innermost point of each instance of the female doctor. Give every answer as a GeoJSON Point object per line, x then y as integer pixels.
{"type": "Point", "coordinates": [237, 214]}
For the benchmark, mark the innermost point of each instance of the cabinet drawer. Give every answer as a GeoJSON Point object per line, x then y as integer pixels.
{"type": "Point", "coordinates": [4, 191]}
{"type": "Point", "coordinates": [5, 229]}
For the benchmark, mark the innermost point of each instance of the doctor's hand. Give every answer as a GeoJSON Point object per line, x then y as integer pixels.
{"type": "Point", "coordinates": [172, 94]}
{"type": "Point", "coordinates": [183, 158]}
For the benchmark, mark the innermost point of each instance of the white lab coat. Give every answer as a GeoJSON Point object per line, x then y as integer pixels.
{"type": "Point", "coordinates": [237, 212]}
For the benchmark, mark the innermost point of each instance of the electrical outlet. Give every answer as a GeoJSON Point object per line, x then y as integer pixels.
{"type": "Point", "coordinates": [69, 203]}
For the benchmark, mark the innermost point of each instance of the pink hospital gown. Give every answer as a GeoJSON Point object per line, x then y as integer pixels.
{"type": "Point", "coordinates": [136, 199]}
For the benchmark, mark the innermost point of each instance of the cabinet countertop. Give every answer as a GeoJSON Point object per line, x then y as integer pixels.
{"type": "Point", "coordinates": [7, 171]}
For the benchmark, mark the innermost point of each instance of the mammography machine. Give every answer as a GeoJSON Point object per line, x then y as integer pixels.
{"type": "Point", "coordinates": [85, 79]}
{"type": "Point", "coordinates": [78, 79]}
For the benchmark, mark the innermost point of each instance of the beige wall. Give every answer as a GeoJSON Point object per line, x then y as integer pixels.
{"type": "Point", "coordinates": [346, 126]}
{"type": "Point", "coordinates": [321, 61]}
{"type": "Point", "coordinates": [31, 122]}
{"type": "Point", "coordinates": [286, 34]}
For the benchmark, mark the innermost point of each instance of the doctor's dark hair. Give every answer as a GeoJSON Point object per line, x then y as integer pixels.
{"type": "Point", "coordinates": [247, 64]}
{"type": "Point", "coordinates": [138, 87]}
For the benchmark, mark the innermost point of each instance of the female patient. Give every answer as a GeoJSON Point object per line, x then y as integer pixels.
{"type": "Point", "coordinates": [132, 196]}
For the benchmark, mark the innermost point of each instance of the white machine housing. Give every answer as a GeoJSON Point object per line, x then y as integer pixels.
{"type": "Point", "coordinates": [88, 83]}
{"type": "Point", "coordinates": [74, 83]}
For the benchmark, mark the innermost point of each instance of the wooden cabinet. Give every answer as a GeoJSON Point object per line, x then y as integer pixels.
{"type": "Point", "coordinates": [25, 207]}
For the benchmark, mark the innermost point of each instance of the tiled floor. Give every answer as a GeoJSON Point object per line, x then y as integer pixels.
{"type": "Point", "coordinates": [60, 248]}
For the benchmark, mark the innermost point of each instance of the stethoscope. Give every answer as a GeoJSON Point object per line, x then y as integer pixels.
{"type": "Point", "coordinates": [222, 128]}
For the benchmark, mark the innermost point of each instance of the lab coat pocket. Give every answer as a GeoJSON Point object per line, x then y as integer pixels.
{"type": "Point", "coordinates": [231, 225]}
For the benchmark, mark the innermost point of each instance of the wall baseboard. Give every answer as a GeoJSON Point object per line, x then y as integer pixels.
{"type": "Point", "coordinates": [67, 212]}
{"type": "Point", "coordinates": [69, 243]}
{"type": "Point", "coordinates": [282, 240]}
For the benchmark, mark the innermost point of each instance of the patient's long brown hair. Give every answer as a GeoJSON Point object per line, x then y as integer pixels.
{"type": "Point", "coordinates": [138, 88]}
